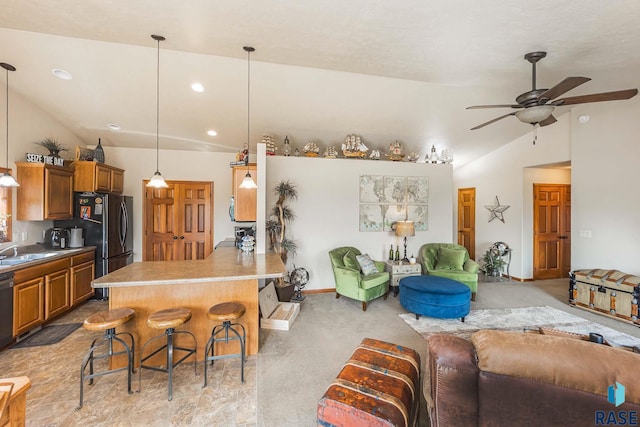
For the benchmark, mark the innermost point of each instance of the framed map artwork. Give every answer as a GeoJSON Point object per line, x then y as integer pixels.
{"type": "Point", "coordinates": [387, 199]}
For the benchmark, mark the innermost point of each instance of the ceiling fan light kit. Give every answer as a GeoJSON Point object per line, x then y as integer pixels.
{"type": "Point", "coordinates": [535, 114]}
{"type": "Point", "coordinates": [537, 105]}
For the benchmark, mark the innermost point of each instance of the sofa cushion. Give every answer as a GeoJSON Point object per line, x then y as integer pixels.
{"type": "Point", "coordinates": [366, 264]}
{"type": "Point", "coordinates": [536, 357]}
{"type": "Point", "coordinates": [374, 280]}
{"type": "Point", "coordinates": [350, 261]}
{"type": "Point", "coordinates": [450, 259]}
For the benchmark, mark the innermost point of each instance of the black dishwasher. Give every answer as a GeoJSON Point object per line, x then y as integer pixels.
{"type": "Point", "coordinates": [6, 308]}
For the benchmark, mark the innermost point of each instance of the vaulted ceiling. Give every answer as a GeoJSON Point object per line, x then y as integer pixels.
{"type": "Point", "coordinates": [384, 69]}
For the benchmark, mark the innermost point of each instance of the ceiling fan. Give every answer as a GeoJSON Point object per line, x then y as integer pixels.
{"type": "Point", "coordinates": [537, 105]}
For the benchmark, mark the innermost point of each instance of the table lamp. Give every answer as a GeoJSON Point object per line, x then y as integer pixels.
{"type": "Point", "coordinates": [405, 229]}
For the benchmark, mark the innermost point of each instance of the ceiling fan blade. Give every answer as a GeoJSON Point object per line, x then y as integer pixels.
{"type": "Point", "coordinates": [564, 86]}
{"type": "Point", "coordinates": [597, 97]}
{"type": "Point", "coordinates": [548, 121]}
{"type": "Point", "coordinates": [492, 121]}
{"type": "Point", "coordinates": [495, 106]}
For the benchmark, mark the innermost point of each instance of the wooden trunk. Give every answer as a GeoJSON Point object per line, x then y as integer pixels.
{"type": "Point", "coordinates": [378, 386]}
{"type": "Point", "coordinates": [608, 292]}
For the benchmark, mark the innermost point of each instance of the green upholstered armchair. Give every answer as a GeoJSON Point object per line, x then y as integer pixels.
{"type": "Point", "coordinates": [350, 281]}
{"type": "Point", "coordinates": [451, 261]}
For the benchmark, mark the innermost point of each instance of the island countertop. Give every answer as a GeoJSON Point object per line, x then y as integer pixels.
{"type": "Point", "coordinates": [224, 264]}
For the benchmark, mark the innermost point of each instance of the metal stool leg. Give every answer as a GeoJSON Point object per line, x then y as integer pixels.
{"type": "Point", "coordinates": [170, 365]}
{"type": "Point", "coordinates": [88, 359]}
{"type": "Point", "coordinates": [225, 327]}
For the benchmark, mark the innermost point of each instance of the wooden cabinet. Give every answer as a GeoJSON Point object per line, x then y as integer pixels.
{"type": "Point", "coordinates": [45, 291]}
{"type": "Point", "coordinates": [56, 292]}
{"type": "Point", "coordinates": [45, 192]}
{"type": "Point", "coordinates": [82, 272]}
{"type": "Point", "coordinates": [98, 177]}
{"type": "Point", "coordinates": [178, 221]}
{"type": "Point", "coordinates": [244, 198]}
{"type": "Point", "coordinates": [28, 305]}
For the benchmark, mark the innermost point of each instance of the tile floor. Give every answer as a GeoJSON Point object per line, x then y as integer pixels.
{"type": "Point", "coordinates": [54, 371]}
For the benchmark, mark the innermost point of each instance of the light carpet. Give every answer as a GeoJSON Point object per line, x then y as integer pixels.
{"type": "Point", "coordinates": [516, 319]}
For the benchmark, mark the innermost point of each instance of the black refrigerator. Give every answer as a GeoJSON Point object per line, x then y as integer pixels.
{"type": "Point", "coordinates": [107, 223]}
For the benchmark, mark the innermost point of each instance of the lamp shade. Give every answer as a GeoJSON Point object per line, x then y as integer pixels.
{"type": "Point", "coordinates": [248, 182]}
{"type": "Point", "coordinates": [535, 114]}
{"type": "Point", "coordinates": [405, 229]}
{"type": "Point", "coordinates": [157, 181]}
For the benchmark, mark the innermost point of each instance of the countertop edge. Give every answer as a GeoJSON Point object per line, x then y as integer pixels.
{"type": "Point", "coordinates": [186, 281]}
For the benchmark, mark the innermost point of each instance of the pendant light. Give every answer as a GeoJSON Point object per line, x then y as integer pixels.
{"type": "Point", "coordinates": [248, 181]}
{"type": "Point", "coordinates": [157, 181]}
{"type": "Point", "coordinates": [7, 180]}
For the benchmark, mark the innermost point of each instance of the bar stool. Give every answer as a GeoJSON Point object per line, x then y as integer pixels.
{"type": "Point", "coordinates": [226, 313]}
{"type": "Point", "coordinates": [107, 321]}
{"type": "Point", "coordinates": [168, 320]}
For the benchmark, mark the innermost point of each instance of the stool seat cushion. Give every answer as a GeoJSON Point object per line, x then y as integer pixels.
{"type": "Point", "coordinates": [108, 319]}
{"type": "Point", "coordinates": [169, 318]}
{"type": "Point", "coordinates": [226, 311]}
{"type": "Point", "coordinates": [435, 296]}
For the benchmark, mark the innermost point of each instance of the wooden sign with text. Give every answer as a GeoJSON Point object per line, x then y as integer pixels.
{"type": "Point", "coordinates": [41, 158]}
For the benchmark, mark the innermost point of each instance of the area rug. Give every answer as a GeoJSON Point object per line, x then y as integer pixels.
{"type": "Point", "coordinates": [516, 319]}
{"type": "Point", "coordinates": [48, 335]}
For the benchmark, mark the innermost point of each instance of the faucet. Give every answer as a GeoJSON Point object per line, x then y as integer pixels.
{"type": "Point", "coordinates": [15, 251]}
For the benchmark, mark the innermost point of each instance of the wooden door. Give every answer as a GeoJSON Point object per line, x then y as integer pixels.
{"type": "Point", "coordinates": [195, 229]}
{"type": "Point", "coordinates": [467, 220]}
{"type": "Point", "coordinates": [551, 231]}
{"type": "Point", "coordinates": [178, 221]}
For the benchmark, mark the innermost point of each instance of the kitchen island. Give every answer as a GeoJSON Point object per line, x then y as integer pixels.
{"type": "Point", "coordinates": [228, 274]}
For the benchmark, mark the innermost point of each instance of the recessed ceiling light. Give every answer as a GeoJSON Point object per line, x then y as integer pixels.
{"type": "Point", "coordinates": [62, 74]}
{"type": "Point", "coordinates": [197, 87]}
{"type": "Point", "coordinates": [113, 127]}
{"type": "Point", "coordinates": [212, 132]}
{"type": "Point", "coordinates": [583, 118]}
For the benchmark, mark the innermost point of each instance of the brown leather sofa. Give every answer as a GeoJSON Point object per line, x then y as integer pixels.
{"type": "Point", "coordinates": [526, 379]}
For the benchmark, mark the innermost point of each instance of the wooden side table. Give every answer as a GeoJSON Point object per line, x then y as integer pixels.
{"type": "Point", "coordinates": [15, 413]}
{"type": "Point", "coordinates": [397, 270]}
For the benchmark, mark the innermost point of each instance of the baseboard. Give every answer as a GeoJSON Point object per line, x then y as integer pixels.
{"type": "Point", "coordinates": [318, 291]}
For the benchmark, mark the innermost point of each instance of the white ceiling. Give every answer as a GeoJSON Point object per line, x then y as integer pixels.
{"type": "Point", "coordinates": [426, 61]}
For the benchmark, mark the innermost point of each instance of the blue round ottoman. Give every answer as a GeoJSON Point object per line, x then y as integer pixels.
{"type": "Point", "coordinates": [435, 296]}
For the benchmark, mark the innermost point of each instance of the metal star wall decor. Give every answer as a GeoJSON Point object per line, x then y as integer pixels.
{"type": "Point", "coordinates": [497, 210]}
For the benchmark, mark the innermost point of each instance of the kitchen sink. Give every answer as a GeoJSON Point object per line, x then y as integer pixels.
{"type": "Point", "coordinates": [13, 261]}
{"type": "Point", "coordinates": [21, 259]}
{"type": "Point", "coordinates": [30, 257]}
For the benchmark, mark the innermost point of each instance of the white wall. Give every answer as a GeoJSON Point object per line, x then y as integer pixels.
{"type": "Point", "coordinates": [502, 173]}
{"type": "Point", "coordinates": [327, 209]}
{"type": "Point", "coordinates": [28, 124]}
{"type": "Point", "coordinates": [606, 155]}
{"type": "Point", "coordinates": [140, 164]}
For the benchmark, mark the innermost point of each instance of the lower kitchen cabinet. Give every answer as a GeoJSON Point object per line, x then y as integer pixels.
{"type": "Point", "coordinates": [83, 268]}
{"type": "Point", "coordinates": [45, 291]}
{"type": "Point", "coordinates": [56, 291]}
{"type": "Point", "coordinates": [28, 305]}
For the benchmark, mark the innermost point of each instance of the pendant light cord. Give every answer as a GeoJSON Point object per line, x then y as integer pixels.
{"type": "Point", "coordinates": [248, 49]}
{"type": "Point", "coordinates": [7, 159]}
{"type": "Point", "coordinates": [158, 108]}
{"type": "Point", "coordinates": [7, 67]}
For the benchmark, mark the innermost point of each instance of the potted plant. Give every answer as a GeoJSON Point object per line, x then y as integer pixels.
{"type": "Point", "coordinates": [493, 263]}
{"type": "Point", "coordinates": [52, 145]}
{"type": "Point", "coordinates": [276, 230]}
